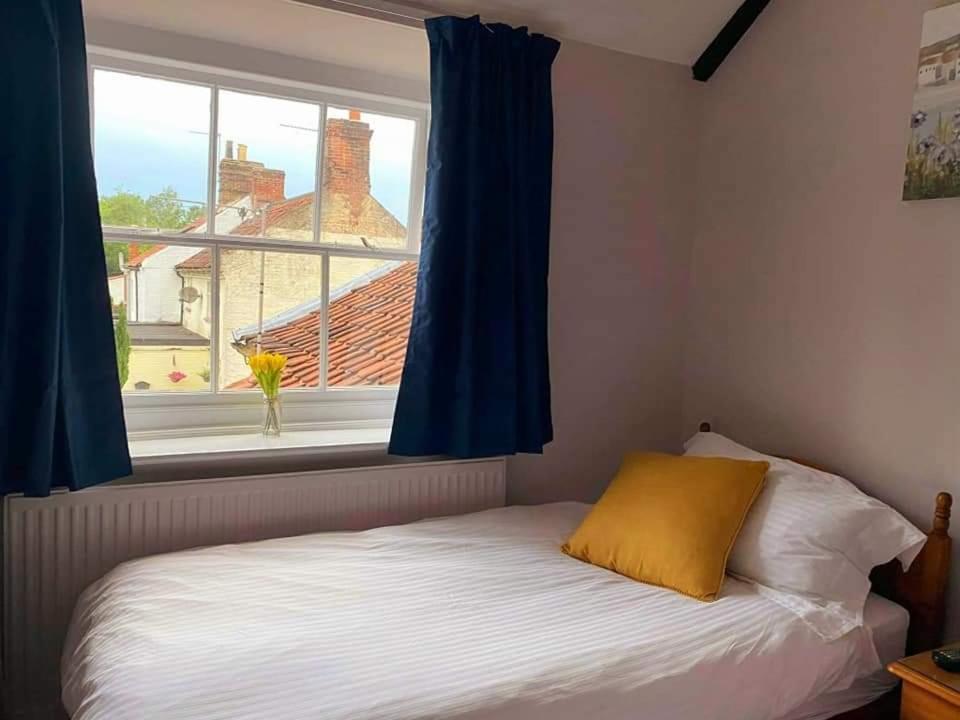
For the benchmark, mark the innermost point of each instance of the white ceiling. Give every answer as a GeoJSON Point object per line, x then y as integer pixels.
{"type": "Point", "coordinates": [672, 30]}
{"type": "Point", "coordinates": [279, 26]}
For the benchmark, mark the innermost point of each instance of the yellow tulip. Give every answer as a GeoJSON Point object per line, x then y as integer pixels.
{"type": "Point", "coordinates": [267, 368]}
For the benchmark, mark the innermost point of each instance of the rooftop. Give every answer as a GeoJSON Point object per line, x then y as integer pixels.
{"type": "Point", "coordinates": [164, 334]}
{"type": "Point", "coordinates": [369, 324]}
{"type": "Point", "coordinates": [340, 213]}
{"type": "Point", "coordinates": [200, 261]}
{"type": "Point", "coordinates": [138, 253]}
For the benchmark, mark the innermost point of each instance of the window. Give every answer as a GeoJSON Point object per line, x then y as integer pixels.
{"type": "Point", "coordinates": [243, 213]}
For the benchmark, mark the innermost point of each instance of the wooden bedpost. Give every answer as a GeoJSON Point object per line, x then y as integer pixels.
{"type": "Point", "coordinates": [941, 518]}
{"type": "Point", "coordinates": [933, 572]}
{"type": "Point", "coordinates": [923, 589]}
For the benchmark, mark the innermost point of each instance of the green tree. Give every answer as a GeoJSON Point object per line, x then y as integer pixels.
{"type": "Point", "coordinates": [123, 208]}
{"type": "Point", "coordinates": [166, 211]}
{"type": "Point", "coordinates": [163, 211]}
{"type": "Point", "coordinates": [121, 339]}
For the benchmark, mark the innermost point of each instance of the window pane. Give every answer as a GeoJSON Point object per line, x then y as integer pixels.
{"type": "Point", "coordinates": [366, 179]}
{"type": "Point", "coordinates": [371, 303]}
{"type": "Point", "coordinates": [161, 309]}
{"type": "Point", "coordinates": [150, 140]}
{"type": "Point", "coordinates": [266, 174]}
{"type": "Point", "coordinates": [288, 321]}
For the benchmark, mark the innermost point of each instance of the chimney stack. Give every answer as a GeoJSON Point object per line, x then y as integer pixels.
{"type": "Point", "coordinates": [347, 162]}
{"type": "Point", "coordinates": [242, 177]}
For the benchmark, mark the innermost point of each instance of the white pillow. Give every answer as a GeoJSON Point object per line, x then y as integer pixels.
{"type": "Point", "coordinates": [815, 536]}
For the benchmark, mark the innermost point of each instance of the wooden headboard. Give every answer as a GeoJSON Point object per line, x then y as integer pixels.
{"type": "Point", "coordinates": [922, 590]}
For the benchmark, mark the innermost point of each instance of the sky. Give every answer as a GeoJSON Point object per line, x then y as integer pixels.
{"type": "Point", "coordinates": [940, 24]}
{"type": "Point", "coordinates": [150, 134]}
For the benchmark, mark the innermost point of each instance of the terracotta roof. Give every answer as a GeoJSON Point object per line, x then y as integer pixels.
{"type": "Point", "coordinates": [339, 213]}
{"type": "Point", "coordinates": [197, 222]}
{"type": "Point", "coordinates": [200, 261]}
{"type": "Point", "coordinates": [369, 324]}
{"type": "Point", "coordinates": [291, 214]}
{"type": "Point", "coordinates": [136, 258]}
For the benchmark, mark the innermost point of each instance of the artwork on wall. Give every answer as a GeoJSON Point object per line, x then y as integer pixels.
{"type": "Point", "coordinates": [933, 153]}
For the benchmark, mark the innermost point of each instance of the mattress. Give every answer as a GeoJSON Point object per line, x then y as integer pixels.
{"type": "Point", "coordinates": [478, 617]}
{"type": "Point", "coordinates": [887, 623]}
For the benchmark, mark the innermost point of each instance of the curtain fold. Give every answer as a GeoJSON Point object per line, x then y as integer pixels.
{"type": "Point", "coordinates": [476, 381]}
{"type": "Point", "coordinates": [61, 417]}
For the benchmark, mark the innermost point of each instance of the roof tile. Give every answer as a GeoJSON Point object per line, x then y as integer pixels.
{"type": "Point", "coordinates": [200, 261]}
{"type": "Point", "coordinates": [368, 335]}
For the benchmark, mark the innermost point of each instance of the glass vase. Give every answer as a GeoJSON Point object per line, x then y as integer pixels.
{"type": "Point", "coordinates": [272, 416]}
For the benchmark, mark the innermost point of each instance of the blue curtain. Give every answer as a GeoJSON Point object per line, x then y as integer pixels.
{"type": "Point", "coordinates": [476, 381]}
{"type": "Point", "coordinates": [61, 419]}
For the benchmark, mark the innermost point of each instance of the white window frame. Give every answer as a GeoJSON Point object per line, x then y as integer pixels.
{"type": "Point", "coordinates": [160, 415]}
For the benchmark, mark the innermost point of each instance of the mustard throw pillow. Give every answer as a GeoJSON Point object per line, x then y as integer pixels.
{"type": "Point", "coordinates": [670, 521]}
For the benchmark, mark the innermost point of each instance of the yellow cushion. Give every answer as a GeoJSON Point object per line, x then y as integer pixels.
{"type": "Point", "coordinates": [670, 521]}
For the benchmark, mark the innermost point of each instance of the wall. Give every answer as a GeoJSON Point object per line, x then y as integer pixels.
{"type": "Point", "coordinates": [196, 314]}
{"type": "Point", "coordinates": [823, 309]}
{"type": "Point", "coordinates": [117, 286]}
{"type": "Point", "coordinates": [154, 365]}
{"type": "Point", "coordinates": [154, 287]}
{"type": "Point", "coordinates": [289, 281]}
{"type": "Point", "coordinates": [624, 173]}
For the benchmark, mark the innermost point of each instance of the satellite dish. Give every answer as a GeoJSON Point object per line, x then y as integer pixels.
{"type": "Point", "coordinates": [189, 294]}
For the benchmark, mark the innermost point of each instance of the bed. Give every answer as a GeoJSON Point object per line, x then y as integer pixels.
{"type": "Point", "coordinates": [477, 617]}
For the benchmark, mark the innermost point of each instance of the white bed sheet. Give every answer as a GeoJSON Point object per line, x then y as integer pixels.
{"type": "Point", "coordinates": [887, 624]}
{"type": "Point", "coordinates": [479, 617]}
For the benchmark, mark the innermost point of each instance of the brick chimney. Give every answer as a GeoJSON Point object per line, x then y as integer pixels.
{"type": "Point", "coordinates": [347, 162]}
{"type": "Point", "coordinates": [244, 177]}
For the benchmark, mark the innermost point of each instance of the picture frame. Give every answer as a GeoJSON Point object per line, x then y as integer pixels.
{"type": "Point", "coordinates": [932, 168]}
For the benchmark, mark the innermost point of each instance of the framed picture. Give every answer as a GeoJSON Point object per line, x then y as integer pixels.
{"type": "Point", "coordinates": [933, 152]}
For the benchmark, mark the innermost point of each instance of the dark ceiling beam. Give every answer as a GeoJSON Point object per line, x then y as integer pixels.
{"type": "Point", "coordinates": [724, 43]}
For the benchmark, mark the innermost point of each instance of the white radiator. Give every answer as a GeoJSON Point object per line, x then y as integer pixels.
{"type": "Point", "coordinates": [54, 547]}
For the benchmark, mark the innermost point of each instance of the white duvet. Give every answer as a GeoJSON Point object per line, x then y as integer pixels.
{"type": "Point", "coordinates": [469, 618]}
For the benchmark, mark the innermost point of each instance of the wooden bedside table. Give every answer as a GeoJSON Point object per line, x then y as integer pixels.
{"type": "Point", "coordinates": [929, 693]}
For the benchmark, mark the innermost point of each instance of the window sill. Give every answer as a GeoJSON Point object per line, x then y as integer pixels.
{"type": "Point", "coordinates": [166, 451]}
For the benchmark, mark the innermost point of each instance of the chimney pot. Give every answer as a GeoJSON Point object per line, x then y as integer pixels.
{"type": "Point", "coordinates": [354, 115]}
{"type": "Point", "coordinates": [241, 152]}
{"type": "Point", "coordinates": [229, 151]}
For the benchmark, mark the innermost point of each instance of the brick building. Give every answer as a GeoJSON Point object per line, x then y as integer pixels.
{"type": "Point", "coordinates": [252, 201]}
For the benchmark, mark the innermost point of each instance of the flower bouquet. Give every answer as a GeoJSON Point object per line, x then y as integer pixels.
{"type": "Point", "coordinates": [267, 368]}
